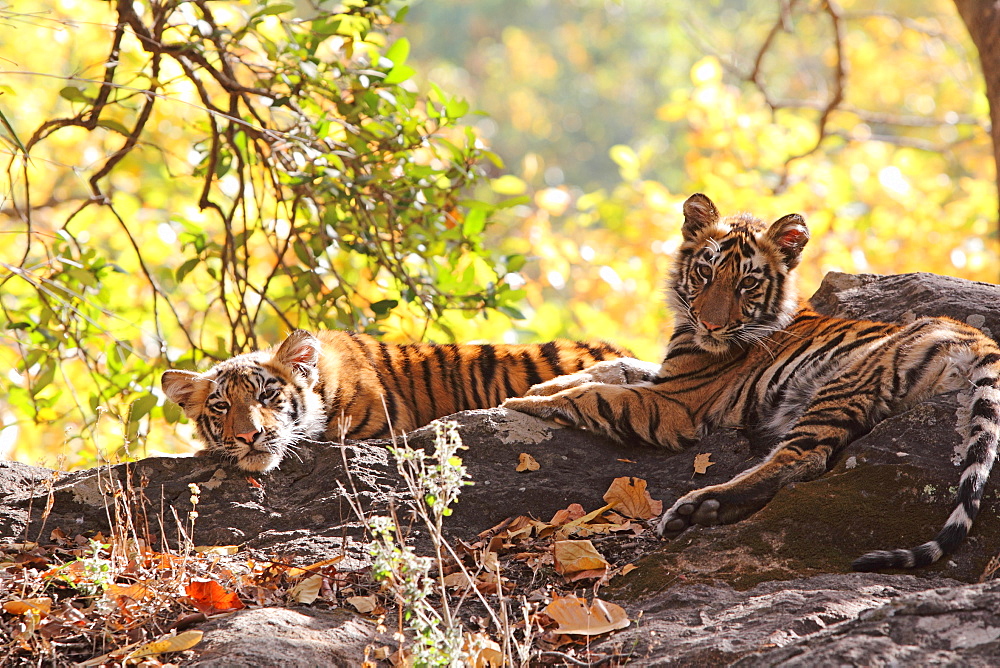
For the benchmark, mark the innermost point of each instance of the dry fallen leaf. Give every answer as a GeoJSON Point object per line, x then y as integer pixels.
{"type": "Point", "coordinates": [217, 549]}
{"type": "Point", "coordinates": [306, 590]}
{"type": "Point", "coordinates": [526, 463]}
{"type": "Point", "coordinates": [701, 462]}
{"type": "Point", "coordinates": [490, 561]}
{"type": "Point", "coordinates": [629, 496]}
{"type": "Point", "coordinates": [575, 617]}
{"type": "Point", "coordinates": [135, 592]}
{"type": "Point", "coordinates": [363, 604]}
{"type": "Point", "coordinates": [572, 512]}
{"type": "Point", "coordinates": [572, 556]}
{"type": "Point", "coordinates": [313, 568]}
{"type": "Point", "coordinates": [628, 568]}
{"type": "Point", "coordinates": [210, 597]}
{"type": "Point", "coordinates": [458, 579]}
{"type": "Point", "coordinates": [483, 652]}
{"type": "Point", "coordinates": [36, 605]}
{"type": "Point", "coordinates": [177, 643]}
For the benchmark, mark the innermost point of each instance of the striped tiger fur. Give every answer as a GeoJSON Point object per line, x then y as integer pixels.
{"type": "Point", "coordinates": [253, 407]}
{"type": "Point", "coordinates": [744, 355]}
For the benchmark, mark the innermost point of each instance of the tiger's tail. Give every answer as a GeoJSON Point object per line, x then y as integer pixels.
{"type": "Point", "coordinates": [982, 434]}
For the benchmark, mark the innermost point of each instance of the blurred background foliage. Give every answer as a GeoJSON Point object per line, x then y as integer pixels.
{"type": "Point", "coordinates": [481, 170]}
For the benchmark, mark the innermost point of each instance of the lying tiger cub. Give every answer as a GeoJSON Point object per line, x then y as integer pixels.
{"type": "Point", "coordinates": [253, 407]}
{"type": "Point", "coordinates": [744, 355]}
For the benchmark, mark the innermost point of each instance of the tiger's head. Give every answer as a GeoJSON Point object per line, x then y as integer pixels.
{"type": "Point", "coordinates": [253, 407]}
{"type": "Point", "coordinates": [730, 285]}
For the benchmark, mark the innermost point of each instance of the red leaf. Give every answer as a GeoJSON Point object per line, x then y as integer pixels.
{"type": "Point", "coordinates": [210, 597]}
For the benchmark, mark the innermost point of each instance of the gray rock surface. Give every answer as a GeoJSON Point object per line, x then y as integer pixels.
{"type": "Point", "coordinates": [774, 589]}
{"type": "Point", "coordinates": [291, 638]}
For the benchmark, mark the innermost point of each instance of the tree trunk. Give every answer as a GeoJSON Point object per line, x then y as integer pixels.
{"type": "Point", "coordinates": [982, 19]}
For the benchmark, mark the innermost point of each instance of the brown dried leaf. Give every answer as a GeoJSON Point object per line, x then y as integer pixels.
{"type": "Point", "coordinates": [628, 496]}
{"type": "Point", "coordinates": [363, 604]}
{"type": "Point", "coordinates": [526, 463]}
{"type": "Point", "coordinates": [134, 592]}
{"type": "Point", "coordinates": [483, 652]}
{"type": "Point", "coordinates": [458, 579]}
{"type": "Point", "coordinates": [586, 575]}
{"type": "Point", "coordinates": [575, 617]}
{"type": "Point", "coordinates": [315, 568]}
{"type": "Point", "coordinates": [572, 556]}
{"type": "Point", "coordinates": [217, 549]}
{"type": "Point", "coordinates": [39, 606]}
{"type": "Point", "coordinates": [306, 590]}
{"type": "Point", "coordinates": [701, 462]}
{"type": "Point", "coordinates": [572, 512]}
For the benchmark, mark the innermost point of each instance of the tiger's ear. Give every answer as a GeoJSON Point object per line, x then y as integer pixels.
{"type": "Point", "coordinates": [178, 385]}
{"type": "Point", "coordinates": [790, 234]}
{"type": "Point", "coordinates": [699, 212]}
{"type": "Point", "coordinates": [300, 352]}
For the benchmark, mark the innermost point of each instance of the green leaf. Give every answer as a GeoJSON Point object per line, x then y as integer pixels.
{"type": "Point", "coordinates": [456, 108]}
{"type": "Point", "coordinates": [117, 357]}
{"type": "Point", "coordinates": [398, 74]}
{"type": "Point", "coordinates": [141, 406]}
{"type": "Point", "coordinates": [186, 268]}
{"type": "Point", "coordinates": [399, 51]}
{"type": "Point", "coordinates": [10, 131]}
{"type": "Point", "coordinates": [474, 222]}
{"type": "Point", "coordinates": [44, 377]}
{"type": "Point", "coordinates": [73, 94]}
{"type": "Point", "coordinates": [271, 10]}
{"type": "Point", "coordinates": [111, 124]}
{"type": "Point", "coordinates": [383, 306]}
{"type": "Point", "coordinates": [511, 312]}
{"type": "Point", "coordinates": [172, 413]}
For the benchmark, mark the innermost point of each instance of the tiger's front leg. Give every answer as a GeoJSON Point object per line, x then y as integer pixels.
{"type": "Point", "coordinates": [630, 414]}
{"type": "Point", "coordinates": [746, 493]}
{"type": "Point", "coordinates": [621, 371]}
{"type": "Point", "coordinates": [841, 411]}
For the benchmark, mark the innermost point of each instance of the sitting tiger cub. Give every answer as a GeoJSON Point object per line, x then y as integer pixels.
{"type": "Point", "coordinates": [253, 407]}
{"type": "Point", "coordinates": [743, 355]}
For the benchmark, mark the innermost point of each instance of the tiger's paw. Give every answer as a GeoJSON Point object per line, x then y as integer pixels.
{"type": "Point", "coordinates": [554, 408]}
{"type": "Point", "coordinates": [622, 371]}
{"type": "Point", "coordinates": [688, 510]}
{"type": "Point", "coordinates": [717, 504]}
{"type": "Point", "coordinates": [558, 384]}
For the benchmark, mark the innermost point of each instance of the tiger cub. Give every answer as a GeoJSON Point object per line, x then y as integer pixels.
{"type": "Point", "coordinates": [744, 355]}
{"type": "Point", "coordinates": [253, 407]}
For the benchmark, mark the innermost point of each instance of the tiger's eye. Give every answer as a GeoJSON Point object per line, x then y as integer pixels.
{"type": "Point", "coordinates": [749, 283]}
{"type": "Point", "coordinates": [704, 271]}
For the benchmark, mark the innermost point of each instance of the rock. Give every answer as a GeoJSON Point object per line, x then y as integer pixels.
{"type": "Point", "coordinates": [299, 638]}
{"type": "Point", "coordinates": [904, 297]}
{"type": "Point", "coordinates": [303, 509]}
{"type": "Point", "coordinates": [715, 624]}
{"type": "Point", "coordinates": [948, 626]}
{"type": "Point", "coordinates": [770, 590]}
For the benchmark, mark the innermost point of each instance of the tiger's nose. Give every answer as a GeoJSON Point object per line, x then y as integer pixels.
{"type": "Point", "coordinates": [710, 326]}
{"type": "Point", "coordinates": [247, 437]}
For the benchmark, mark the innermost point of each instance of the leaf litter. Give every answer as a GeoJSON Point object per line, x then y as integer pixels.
{"type": "Point", "coordinates": [116, 601]}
